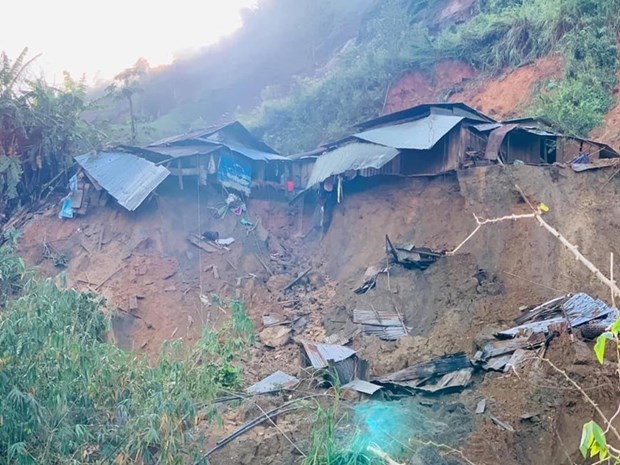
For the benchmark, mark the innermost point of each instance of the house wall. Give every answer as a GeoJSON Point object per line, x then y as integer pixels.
{"type": "Point", "coordinates": [444, 156]}
{"type": "Point", "coordinates": [522, 146]}
{"type": "Point", "coordinates": [568, 149]}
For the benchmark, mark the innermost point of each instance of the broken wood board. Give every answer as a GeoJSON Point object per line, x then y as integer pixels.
{"type": "Point", "coordinates": [507, 346]}
{"type": "Point", "coordinates": [497, 363]}
{"type": "Point", "coordinates": [133, 303]}
{"type": "Point", "coordinates": [198, 242]}
{"type": "Point", "coordinates": [436, 367]}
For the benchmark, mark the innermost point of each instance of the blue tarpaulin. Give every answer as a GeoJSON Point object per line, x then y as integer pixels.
{"type": "Point", "coordinates": [234, 174]}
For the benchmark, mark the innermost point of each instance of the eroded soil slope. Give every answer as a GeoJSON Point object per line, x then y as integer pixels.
{"type": "Point", "coordinates": [448, 307]}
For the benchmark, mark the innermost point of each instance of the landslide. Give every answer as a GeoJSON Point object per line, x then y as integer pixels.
{"type": "Point", "coordinates": [147, 255]}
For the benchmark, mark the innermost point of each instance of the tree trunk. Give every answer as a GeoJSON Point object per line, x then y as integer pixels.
{"type": "Point", "coordinates": [133, 120]}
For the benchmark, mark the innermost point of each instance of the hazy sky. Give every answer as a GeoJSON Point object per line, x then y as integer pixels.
{"type": "Point", "coordinates": [102, 37]}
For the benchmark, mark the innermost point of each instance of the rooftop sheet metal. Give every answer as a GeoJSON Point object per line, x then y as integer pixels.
{"type": "Point", "coordinates": [353, 156]}
{"type": "Point", "coordinates": [190, 135]}
{"type": "Point", "coordinates": [127, 178]}
{"type": "Point", "coordinates": [421, 134]}
{"type": "Point", "coordinates": [179, 151]}
{"type": "Point", "coordinates": [419, 111]}
{"type": "Point", "coordinates": [362, 386]}
{"type": "Point", "coordinates": [579, 309]}
{"type": "Point", "coordinates": [252, 154]}
{"type": "Point", "coordinates": [273, 383]}
{"type": "Point", "coordinates": [319, 354]}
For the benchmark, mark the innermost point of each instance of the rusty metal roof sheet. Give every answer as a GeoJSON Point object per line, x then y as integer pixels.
{"type": "Point", "coordinates": [127, 178]}
{"type": "Point", "coordinates": [579, 308]}
{"type": "Point", "coordinates": [421, 134]}
{"type": "Point", "coordinates": [320, 354]}
{"type": "Point", "coordinates": [275, 382]}
{"type": "Point", "coordinates": [353, 156]}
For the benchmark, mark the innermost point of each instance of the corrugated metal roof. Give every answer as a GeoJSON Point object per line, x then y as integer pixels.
{"type": "Point", "coordinates": [420, 111]}
{"type": "Point", "coordinates": [188, 136]}
{"type": "Point", "coordinates": [354, 156]}
{"type": "Point", "coordinates": [179, 151]}
{"type": "Point", "coordinates": [127, 178]}
{"type": "Point", "coordinates": [421, 134]}
{"type": "Point", "coordinates": [253, 154]}
{"type": "Point", "coordinates": [362, 386]}
{"type": "Point", "coordinates": [319, 354]}
{"type": "Point", "coordinates": [487, 127]}
{"type": "Point", "coordinates": [579, 309]}
{"type": "Point", "coordinates": [273, 383]}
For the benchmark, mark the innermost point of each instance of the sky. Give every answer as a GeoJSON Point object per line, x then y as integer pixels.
{"type": "Point", "coordinates": [100, 38]}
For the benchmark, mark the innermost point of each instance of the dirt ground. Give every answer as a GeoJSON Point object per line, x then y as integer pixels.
{"type": "Point", "coordinates": [147, 255]}
{"type": "Point", "coordinates": [509, 94]}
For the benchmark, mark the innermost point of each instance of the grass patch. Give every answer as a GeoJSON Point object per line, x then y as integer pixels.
{"type": "Point", "coordinates": [66, 396]}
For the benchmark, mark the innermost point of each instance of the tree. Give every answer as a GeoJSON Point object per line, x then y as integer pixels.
{"type": "Point", "coordinates": [41, 127]}
{"type": "Point", "coordinates": [126, 85]}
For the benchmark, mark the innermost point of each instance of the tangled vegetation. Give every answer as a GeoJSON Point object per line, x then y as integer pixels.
{"type": "Point", "coordinates": [41, 127]}
{"type": "Point", "coordinates": [67, 396]}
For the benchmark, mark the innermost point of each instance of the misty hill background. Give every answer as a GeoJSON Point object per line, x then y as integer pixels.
{"type": "Point", "coordinates": [301, 73]}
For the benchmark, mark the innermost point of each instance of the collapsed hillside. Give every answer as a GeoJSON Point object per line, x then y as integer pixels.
{"type": "Point", "coordinates": [164, 285]}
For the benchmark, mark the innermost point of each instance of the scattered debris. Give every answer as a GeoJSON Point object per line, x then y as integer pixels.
{"type": "Point", "coordinates": [318, 355]}
{"type": "Point", "coordinates": [442, 373]}
{"type": "Point", "coordinates": [201, 244]}
{"type": "Point", "coordinates": [362, 386]}
{"type": "Point", "coordinates": [297, 279]}
{"type": "Point", "coordinates": [584, 165]}
{"type": "Point", "coordinates": [481, 407]}
{"type": "Point", "coordinates": [573, 310]}
{"type": "Point", "coordinates": [386, 325]}
{"type": "Point", "coordinates": [50, 253]}
{"type": "Point", "coordinates": [225, 242]}
{"type": "Point", "coordinates": [501, 424]}
{"type": "Point", "coordinates": [412, 257]}
{"type": "Point", "coordinates": [210, 235]}
{"type": "Point", "coordinates": [275, 382]}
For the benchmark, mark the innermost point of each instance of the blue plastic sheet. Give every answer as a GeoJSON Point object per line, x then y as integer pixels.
{"type": "Point", "coordinates": [66, 211]}
{"type": "Point", "coordinates": [234, 174]}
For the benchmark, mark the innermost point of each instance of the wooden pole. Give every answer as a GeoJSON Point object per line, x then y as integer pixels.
{"type": "Point", "coordinates": [611, 277]}
{"type": "Point", "coordinates": [180, 173]}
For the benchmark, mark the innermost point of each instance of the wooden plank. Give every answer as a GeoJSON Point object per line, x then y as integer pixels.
{"type": "Point", "coordinates": [195, 239]}
{"type": "Point", "coordinates": [133, 303]}
{"type": "Point", "coordinates": [297, 279]}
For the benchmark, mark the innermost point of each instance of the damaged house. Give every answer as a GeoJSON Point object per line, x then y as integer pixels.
{"type": "Point", "coordinates": [228, 154]}
{"type": "Point", "coordinates": [425, 140]}
{"type": "Point", "coordinates": [433, 139]}
{"type": "Point", "coordinates": [532, 141]}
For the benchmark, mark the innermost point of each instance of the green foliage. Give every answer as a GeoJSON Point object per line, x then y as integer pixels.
{"type": "Point", "coordinates": [593, 442]}
{"type": "Point", "coordinates": [504, 33]}
{"type": "Point", "coordinates": [601, 341]}
{"type": "Point", "coordinates": [41, 127]}
{"type": "Point", "coordinates": [322, 108]}
{"type": "Point", "coordinates": [66, 396]}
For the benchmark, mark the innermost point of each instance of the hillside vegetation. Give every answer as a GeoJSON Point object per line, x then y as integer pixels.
{"type": "Point", "coordinates": [502, 33]}
{"type": "Point", "coordinates": [66, 396]}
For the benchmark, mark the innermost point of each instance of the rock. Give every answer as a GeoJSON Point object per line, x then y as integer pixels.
{"type": "Point", "coordinates": [276, 336]}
